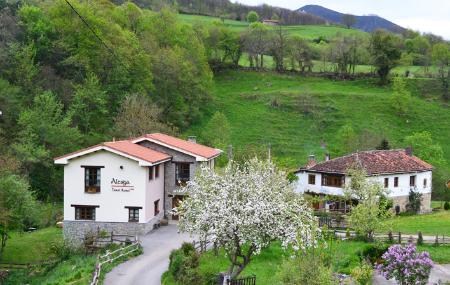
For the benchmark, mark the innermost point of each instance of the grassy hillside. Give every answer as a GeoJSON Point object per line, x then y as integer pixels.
{"type": "Point", "coordinates": [265, 108]}
{"type": "Point", "coordinates": [306, 31]}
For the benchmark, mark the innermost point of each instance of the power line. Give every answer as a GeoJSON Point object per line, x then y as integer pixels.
{"type": "Point", "coordinates": [95, 34]}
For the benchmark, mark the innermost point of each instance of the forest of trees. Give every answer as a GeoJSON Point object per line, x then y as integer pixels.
{"type": "Point", "coordinates": [73, 74]}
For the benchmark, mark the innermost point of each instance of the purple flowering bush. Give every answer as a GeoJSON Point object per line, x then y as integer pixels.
{"type": "Point", "coordinates": [405, 265]}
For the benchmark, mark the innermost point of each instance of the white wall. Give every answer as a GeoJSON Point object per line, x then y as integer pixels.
{"type": "Point", "coordinates": [402, 189]}
{"type": "Point", "coordinates": [111, 204]}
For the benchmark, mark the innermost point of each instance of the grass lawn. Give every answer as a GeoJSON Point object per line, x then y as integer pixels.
{"type": "Point", "coordinates": [429, 224]}
{"type": "Point", "coordinates": [266, 265]}
{"type": "Point", "coordinates": [31, 247]}
{"type": "Point", "coordinates": [246, 99]}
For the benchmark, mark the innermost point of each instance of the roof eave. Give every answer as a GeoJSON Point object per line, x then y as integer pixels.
{"type": "Point", "coordinates": [196, 156]}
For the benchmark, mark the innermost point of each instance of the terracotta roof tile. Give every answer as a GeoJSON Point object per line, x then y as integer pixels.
{"type": "Point", "coordinates": [138, 151]}
{"type": "Point", "coordinates": [191, 147]}
{"type": "Point", "coordinates": [128, 148]}
{"type": "Point", "coordinates": [374, 162]}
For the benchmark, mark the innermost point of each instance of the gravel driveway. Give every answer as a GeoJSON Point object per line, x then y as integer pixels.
{"type": "Point", "coordinates": [148, 267]}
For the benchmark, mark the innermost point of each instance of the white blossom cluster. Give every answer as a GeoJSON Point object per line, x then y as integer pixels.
{"type": "Point", "coordinates": [245, 208]}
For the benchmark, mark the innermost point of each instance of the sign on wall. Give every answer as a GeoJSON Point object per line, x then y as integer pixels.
{"type": "Point", "coordinates": [119, 185]}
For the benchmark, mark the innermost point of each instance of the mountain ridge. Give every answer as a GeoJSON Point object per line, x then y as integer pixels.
{"type": "Point", "coordinates": [367, 23]}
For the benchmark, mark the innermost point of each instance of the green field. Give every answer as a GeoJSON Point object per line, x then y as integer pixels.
{"type": "Point", "coordinates": [306, 31]}
{"type": "Point", "coordinates": [31, 247]}
{"type": "Point", "coordinates": [246, 98]}
{"type": "Point", "coordinates": [429, 224]}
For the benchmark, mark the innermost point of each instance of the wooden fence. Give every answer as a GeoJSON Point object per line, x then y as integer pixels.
{"type": "Point", "coordinates": [202, 246]}
{"type": "Point", "coordinates": [251, 280]}
{"type": "Point", "coordinates": [399, 237]}
{"type": "Point", "coordinates": [94, 243]}
{"type": "Point", "coordinates": [111, 256]}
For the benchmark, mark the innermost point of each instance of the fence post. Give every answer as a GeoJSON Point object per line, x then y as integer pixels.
{"type": "Point", "coordinates": [399, 237]}
{"type": "Point", "coordinates": [112, 234]}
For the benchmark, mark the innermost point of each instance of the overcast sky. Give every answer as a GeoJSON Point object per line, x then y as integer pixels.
{"type": "Point", "coordinates": [423, 15]}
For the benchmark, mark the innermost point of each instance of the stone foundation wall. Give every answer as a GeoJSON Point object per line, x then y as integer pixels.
{"type": "Point", "coordinates": [75, 231]}
{"type": "Point", "coordinates": [402, 201]}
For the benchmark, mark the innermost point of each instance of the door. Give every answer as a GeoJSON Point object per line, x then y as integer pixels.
{"type": "Point", "coordinates": [176, 201]}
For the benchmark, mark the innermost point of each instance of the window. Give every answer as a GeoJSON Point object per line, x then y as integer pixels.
{"type": "Point", "coordinates": [92, 179]}
{"type": "Point", "coordinates": [85, 213]}
{"type": "Point", "coordinates": [425, 182]}
{"type": "Point", "coordinates": [156, 171]}
{"type": "Point", "coordinates": [412, 181]}
{"type": "Point", "coordinates": [156, 204]}
{"type": "Point", "coordinates": [150, 173]}
{"type": "Point", "coordinates": [386, 182]}
{"type": "Point", "coordinates": [182, 173]}
{"type": "Point", "coordinates": [332, 180]}
{"type": "Point", "coordinates": [311, 179]}
{"type": "Point", "coordinates": [133, 214]}
{"type": "Point", "coordinates": [395, 181]}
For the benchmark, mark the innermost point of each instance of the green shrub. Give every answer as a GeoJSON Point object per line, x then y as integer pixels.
{"type": "Point", "coordinates": [446, 206]}
{"type": "Point", "coordinates": [183, 265]}
{"type": "Point", "coordinates": [373, 252]}
{"type": "Point", "coordinates": [363, 274]}
{"type": "Point", "coordinates": [307, 269]}
{"type": "Point", "coordinates": [62, 250]}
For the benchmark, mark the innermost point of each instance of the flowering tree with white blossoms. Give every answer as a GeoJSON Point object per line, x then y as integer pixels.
{"type": "Point", "coordinates": [244, 209]}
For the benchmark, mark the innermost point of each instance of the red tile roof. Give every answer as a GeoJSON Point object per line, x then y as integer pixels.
{"type": "Point", "coordinates": [374, 162]}
{"type": "Point", "coordinates": [138, 151]}
{"type": "Point", "coordinates": [183, 145]}
{"type": "Point", "coordinates": [128, 148]}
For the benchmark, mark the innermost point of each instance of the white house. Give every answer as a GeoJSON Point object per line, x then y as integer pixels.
{"type": "Point", "coordinates": [127, 186]}
{"type": "Point", "coordinates": [398, 171]}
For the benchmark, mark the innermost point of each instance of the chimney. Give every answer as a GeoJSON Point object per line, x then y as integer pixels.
{"type": "Point", "coordinates": [409, 151]}
{"type": "Point", "coordinates": [311, 161]}
{"type": "Point", "coordinates": [192, 139]}
{"type": "Point", "coordinates": [327, 156]}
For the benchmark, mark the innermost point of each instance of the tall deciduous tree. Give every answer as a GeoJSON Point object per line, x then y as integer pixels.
{"type": "Point", "coordinates": [371, 212]}
{"type": "Point", "coordinates": [252, 17]}
{"type": "Point", "coordinates": [217, 131]}
{"type": "Point", "coordinates": [45, 132]}
{"type": "Point", "coordinates": [300, 53]}
{"type": "Point", "coordinates": [441, 57]}
{"type": "Point", "coordinates": [401, 97]}
{"type": "Point", "coordinates": [385, 53]}
{"type": "Point", "coordinates": [279, 47]}
{"type": "Point", "coordinates": [348, 20]}
{"type": "Point", "coordinates": [89, 108]}
{"type": "Point", "coordinates": [139, 116]}
{"type": "Point", "coordinates": [244, 209]}
{"type": "Point", "coordinates": [255, 41]}
{"type": "Point", "coordinates": [17, 206]}
{"type": "Point", "coordinates": [425, 148]}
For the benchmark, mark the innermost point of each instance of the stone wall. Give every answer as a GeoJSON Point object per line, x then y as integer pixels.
{"type": "Point", "coordinates": [75, 231]}
{"type": "Point", "coordinates": [170, 187]}
{"type": "Point", "coordinates": [402, 201]}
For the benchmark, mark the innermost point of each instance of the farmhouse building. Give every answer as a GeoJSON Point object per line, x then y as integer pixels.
{"type": "Point", "coordinates": [399, 171]}
{"type": "Point", "coordinates": [128, 186]}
